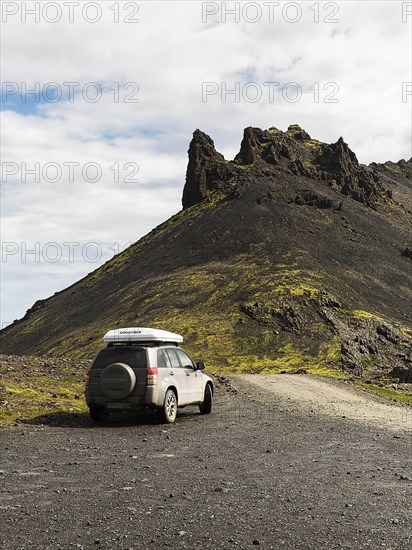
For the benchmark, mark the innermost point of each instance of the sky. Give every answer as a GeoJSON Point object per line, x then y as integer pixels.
{"type": "Point", "coordinates": [99, 101]}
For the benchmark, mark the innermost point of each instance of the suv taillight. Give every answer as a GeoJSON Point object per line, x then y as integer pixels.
{"type": "Point", "coordinates": [151, 376]}
{"type": "Point", "coordinates": [88, 377]}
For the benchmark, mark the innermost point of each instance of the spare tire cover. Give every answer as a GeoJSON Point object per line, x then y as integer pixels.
{"type": "Point", "coordinates": [117, 380]}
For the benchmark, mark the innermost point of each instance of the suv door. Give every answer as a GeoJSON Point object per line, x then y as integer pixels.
{"type": "Point", "coordinates": [178, 376]}
{"type": "Point", "coordinates": [194, 378]}
{"type": "Point", "coordinates": [130, 356]}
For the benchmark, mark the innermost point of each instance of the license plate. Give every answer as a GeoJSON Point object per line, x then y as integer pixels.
{"type": "Point", "coordinates": [118, 405]}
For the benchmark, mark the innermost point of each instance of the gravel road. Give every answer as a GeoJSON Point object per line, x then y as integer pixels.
{"type": "Point", "coordinates": [333, 398]}
{"type": "Point", "coordinates": [261, 471]}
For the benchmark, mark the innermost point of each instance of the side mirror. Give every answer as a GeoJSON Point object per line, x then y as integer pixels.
{"type": "Point", "coordinates": [200, 365]}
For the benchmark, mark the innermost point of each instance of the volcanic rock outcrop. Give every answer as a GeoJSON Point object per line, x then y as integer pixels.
{"type": "Point", "coordinates": [291, 152]}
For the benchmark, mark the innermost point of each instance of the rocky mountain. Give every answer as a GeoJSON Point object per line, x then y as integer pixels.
{"type": "Point", "coordinates": [291, 256]}
{"type": "Point", "coordinates": [398, 179]}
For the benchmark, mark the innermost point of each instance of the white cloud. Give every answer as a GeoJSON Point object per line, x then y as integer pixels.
{"type": "Point", "coordinates": [169, 54]}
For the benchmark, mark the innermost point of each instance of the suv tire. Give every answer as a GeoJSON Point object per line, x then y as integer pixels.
{"type": "Point", "coordinates": [206, 406]}
{"type": "Point", "coordinates": [168, 412]}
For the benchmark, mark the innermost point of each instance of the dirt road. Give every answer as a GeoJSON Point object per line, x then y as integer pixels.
{"type": "Point", "coordinates": [260, 471]}
{"type": "Point", "coordinates": [332, 398]}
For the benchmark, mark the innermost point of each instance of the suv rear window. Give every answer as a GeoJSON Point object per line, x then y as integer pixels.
{"type": "Point", "coordinates": [134, 357]}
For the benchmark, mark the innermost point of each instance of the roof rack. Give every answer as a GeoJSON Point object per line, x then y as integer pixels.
{"type": "Point", "coordinates": [141, 335]}
{"type": "Point", "coordinates": [142, 343]}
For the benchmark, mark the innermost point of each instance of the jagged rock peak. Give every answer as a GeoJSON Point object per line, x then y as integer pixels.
{"type": "Point", "coordinates": [298, 133]}
{"type": "Point", "coordinates": [249, 147]}
{"type": "Point", "coordinates": [272, 145]}
{"type": "Point", "coordinates": [203, 144]}
{"type": "Point", "coordinates": [293, 152]}
{"type": "Point", "coordinates": [206, 171]}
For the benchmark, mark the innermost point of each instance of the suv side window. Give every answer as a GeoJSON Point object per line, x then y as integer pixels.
{"type": "Point", "coordinates": [163, 361]}
{"type": "Point", "coordinates": [184, 358]}
{"type": "Point", "coordinates": [174, 361]}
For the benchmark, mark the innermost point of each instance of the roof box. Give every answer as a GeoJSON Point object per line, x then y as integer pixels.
{"type": "Point", "coordinates": [140, 334]}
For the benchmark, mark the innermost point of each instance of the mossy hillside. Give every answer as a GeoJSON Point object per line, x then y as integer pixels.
{"type": "Point", "coordinates": [360, 314]}
{"type": "Point", "coordinates": [207, 311]}
{"type": "Point", "coordinates": [33, 386]}
{"type": "Point", "coordinates": [314, 143]}
{"type": "Point", "coordinates": [295, 273]}
{"type": "Point", "coordinates": [401, 167]}
{"type": "Point", "coordinates": [203, 304]}
{"type": "Point", "coordinates": [405, 331]}
{"type": "Point", "coordinates": [289, 358]}
{"type": "Point", "coordinates": [404, 396]}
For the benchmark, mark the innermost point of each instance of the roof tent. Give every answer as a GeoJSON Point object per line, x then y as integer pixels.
{"type": "Point", "coordinates": [139, 335]}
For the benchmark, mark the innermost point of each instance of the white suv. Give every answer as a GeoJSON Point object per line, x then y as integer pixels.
{"type": "Point", "coordinates": [143, 367]}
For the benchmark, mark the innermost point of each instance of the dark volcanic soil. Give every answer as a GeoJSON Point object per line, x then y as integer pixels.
{"type": "Point", "coordinates": [250, 474]}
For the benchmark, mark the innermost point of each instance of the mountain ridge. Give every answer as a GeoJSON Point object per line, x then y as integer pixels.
{"type": "Point", "coordinates": [290, 256]}
{"type": "Point", "coordinates": [293, 151]}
